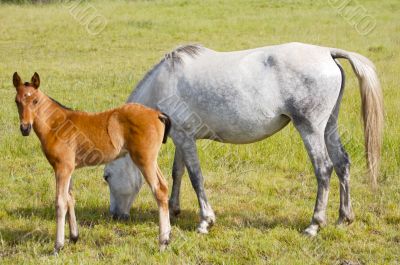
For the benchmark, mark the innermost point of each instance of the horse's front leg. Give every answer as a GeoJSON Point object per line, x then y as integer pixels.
{"type": "Point", "coordinates": [63, 176]}
{"type": "Point", "coordinates": [188, 149]}
{"type": "Point", "coordinates": [177, 172]}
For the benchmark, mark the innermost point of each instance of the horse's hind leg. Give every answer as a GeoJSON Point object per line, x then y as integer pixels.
{"type": "Point", "coordinates": [340, 159]}
{"type": "Point", "coordinates": [341, 164]}
{"type": "Point", "coordinates": [177, 172]}
{"type": "Point", "coordinates": [313, 138]}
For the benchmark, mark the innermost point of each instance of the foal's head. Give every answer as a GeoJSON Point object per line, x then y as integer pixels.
{"type": "Point", "coordinates": [27, 98]}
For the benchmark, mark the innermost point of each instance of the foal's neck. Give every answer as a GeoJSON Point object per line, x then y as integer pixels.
{"type": "Point", "coordinates": [50, 115]}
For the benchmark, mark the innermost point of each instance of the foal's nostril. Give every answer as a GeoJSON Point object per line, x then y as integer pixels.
{"type": "Point", "coordinates": [25, 129]}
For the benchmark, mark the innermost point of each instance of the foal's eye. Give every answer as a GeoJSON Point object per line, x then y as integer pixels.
{"type": "Point", "coordinates": [35, 101]}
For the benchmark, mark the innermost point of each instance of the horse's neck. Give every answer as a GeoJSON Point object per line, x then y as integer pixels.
{"type": "Point", "coordinates": [142, 96]}
{"type": "Point", "coordinates": [49, 117]}
{"type": "Point", "coordinates": [149, 90]}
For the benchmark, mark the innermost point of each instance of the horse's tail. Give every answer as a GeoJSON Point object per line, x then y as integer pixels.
{"type": "Point", "coordinates": [372, 107]}
{"type": "Point", "coordinates": [164, 118]}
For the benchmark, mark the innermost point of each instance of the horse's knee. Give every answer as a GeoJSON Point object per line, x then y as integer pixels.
{"type": "Point", "coordinates": [324, 173]}
{"type": "Point", "coordinates": [342, 167]}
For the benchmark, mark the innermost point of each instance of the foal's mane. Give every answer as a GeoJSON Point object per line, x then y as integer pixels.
{"type": "Point", "coordinates": [59, 104]}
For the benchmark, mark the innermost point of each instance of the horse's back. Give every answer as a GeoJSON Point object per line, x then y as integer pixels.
{"type": "Point", "coordinates": [245, 96]}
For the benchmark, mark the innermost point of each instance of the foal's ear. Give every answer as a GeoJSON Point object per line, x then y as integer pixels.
{"type": "Point", "coordinates": [35, 80]}
{"type": "Point", "coordinates": [16, 80]}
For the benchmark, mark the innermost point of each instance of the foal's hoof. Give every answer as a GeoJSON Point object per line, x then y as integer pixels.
{"type": "Point", "coordinates": [164, 245]}
{"type": "Point", "coordinates": [311, 231]}
{"type": "Point", "coordinates": [57, 250]}
{"type": "Point", "coordinates": [73, 239]}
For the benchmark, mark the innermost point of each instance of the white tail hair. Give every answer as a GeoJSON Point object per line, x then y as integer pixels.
{"type": "Point", "coordinates": [372, 107]}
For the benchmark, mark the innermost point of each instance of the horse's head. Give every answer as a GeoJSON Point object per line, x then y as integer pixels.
{"type": "Point", "coordinates": [124, 180]}
{"type": "Point", "coordinates": [27, 98]}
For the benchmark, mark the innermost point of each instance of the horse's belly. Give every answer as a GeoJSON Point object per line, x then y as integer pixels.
{"type": "Point", "coordinates": [243, 131]}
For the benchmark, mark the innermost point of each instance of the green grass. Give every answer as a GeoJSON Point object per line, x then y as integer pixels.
{"type": "Point", "coordinates": [263, 193]}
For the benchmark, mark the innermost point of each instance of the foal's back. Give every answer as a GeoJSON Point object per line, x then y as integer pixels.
{"type": "Point", "coordinates": [101, 137]}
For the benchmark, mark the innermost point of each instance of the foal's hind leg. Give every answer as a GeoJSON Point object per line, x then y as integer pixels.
{"type": "Point", "coordinates": [341, 164]}
{"type": "Point", "coordinates": [313, 138]}
{"type": "Point", "coordinates": [159, 187]}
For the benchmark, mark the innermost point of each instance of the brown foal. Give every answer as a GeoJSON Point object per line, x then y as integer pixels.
{"type": "Point", "coordinates": [72, 139]}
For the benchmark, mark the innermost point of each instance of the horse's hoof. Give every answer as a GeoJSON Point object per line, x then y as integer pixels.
{"type": "Point", "coordinates": [175, 212]}
{"type": "Point", "coordinates": [311, 231]}
{"type": "Point", "coordinates": [120, 217]}
{"type": "Point", "coordinates": [202, 230]}
{"type": "Point", "coordinates": [344, 221]}
{"type": "Point", "coordinates": [203, 227]}
{"type": "Point", "coordinates": [345, 218]}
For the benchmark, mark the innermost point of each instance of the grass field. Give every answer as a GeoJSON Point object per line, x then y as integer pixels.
{"type": "Point", "coordinates": [263, 194]}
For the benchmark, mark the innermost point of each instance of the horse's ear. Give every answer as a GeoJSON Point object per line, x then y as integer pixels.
{"type": "Point", "coordinates": [35, 80]}
{"type": "Point", "coordinates": [16, 80]}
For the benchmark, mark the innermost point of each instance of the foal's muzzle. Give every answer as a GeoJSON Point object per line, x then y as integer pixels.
{"type": "Point", "coordinates": [25, 129]}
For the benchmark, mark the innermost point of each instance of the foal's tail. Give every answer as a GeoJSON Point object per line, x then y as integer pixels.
{"type": "Point", "coordinates": [164, 118]}
{"type": "Point", "coordinates": [372, 107]}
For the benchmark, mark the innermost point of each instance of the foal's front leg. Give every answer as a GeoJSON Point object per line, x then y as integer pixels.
{"type": "Point", "coordinates": [73, 226]}
{"type": "Point", "coordinates": [63, 177]}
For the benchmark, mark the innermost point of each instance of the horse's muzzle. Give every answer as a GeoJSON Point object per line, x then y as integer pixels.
{"type": "Point", "coordinates": [25, 129]}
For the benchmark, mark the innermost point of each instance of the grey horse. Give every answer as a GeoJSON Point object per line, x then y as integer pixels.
{"type": "Point", "coordinates": [245, 96]}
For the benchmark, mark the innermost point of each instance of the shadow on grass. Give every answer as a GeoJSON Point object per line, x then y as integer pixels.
{"type": "Point", "coordinates": [15, 236]}
{"type": "Point", "coordinates": [245, 219]}
{"type": "Point", "coordinates": [92, 216]}
{"type": "Point", "coordinates": [187, 221]}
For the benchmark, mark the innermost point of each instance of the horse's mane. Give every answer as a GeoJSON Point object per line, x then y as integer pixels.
{"type": "Point", "coordinates": [174, 57]}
